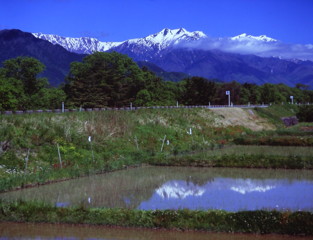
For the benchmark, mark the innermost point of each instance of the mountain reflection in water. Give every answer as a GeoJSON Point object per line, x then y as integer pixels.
{"type": "Point", "coordinates": [178, 188]}
{"type": "Point", "coordinates": [249, 186]}
{"type": "Point", "coordinates": [233, 195]}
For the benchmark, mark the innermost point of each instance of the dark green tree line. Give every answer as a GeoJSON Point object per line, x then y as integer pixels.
{"type": "Point", "coordinates": [115, 80]}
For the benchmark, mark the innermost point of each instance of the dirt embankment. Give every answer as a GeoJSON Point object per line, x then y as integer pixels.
{"type": "Point", "coordinates": [241, 117]}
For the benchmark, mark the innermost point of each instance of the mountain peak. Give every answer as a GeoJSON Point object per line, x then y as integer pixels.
{"type": "Point", "coordinates": [165, 31]}
{"type": "Point", "coordinates": [168, 36]}
{"type": "Point", "coordinates": [245, 37]}
{"type": "Point", "coordinates": [181, 30]}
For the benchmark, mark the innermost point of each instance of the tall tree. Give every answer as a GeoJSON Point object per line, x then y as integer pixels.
{"type": "Point", "coordinates": [249, 93]}
{"type": "Point", "coordinates": [271, 94]}
{"type": "Point", "coordinates": [19, 83]}
{"type": "Point", "coordinates": [26, 70]}
{"type": "Point", "coordinates": [305, 113]}
{"type": "Point", "coordinates": [104, 79]}
{"type": "Point", "coordinates": [199, 91]}
{"type": "Point", "coordinates": [11, 94]}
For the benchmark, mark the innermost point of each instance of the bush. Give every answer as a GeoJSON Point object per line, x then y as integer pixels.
{"type": "Point", "coordinates": [305, 113]}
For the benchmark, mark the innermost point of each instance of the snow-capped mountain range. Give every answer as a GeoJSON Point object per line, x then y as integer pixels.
{"type": "Point", "coordinates": [158, 41]}
{"type": "Point", "coordinates": [244, 58]}
{"type": "Point", "coordinates": [174, 55]}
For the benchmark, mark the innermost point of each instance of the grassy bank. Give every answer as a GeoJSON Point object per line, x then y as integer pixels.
{"type": "Point", "coordinates": [231, 156]}
{"type": "Point", "coordinates": [297, 223]}
{"type": "Point", "coordinates": [298, 135]}
{"type": "Point", "coordinates": [262, 160]}
{"type": "Point", "coordinates": [275, 112]}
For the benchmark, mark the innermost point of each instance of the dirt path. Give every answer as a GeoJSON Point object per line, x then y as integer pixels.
{"type": "Point", "coordinates": [241, 117]}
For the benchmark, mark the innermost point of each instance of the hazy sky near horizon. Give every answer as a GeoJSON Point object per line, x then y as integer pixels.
{"type": "Point", "coordinates": [289, 21]}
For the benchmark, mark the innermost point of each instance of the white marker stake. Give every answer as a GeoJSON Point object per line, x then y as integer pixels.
{"type": "Point", "coordinates": [26, 159]}
{"type": "Point", "coordinates": [136, 141]}
{"type": "Point", "coordinates": [60, 159]}
{"type": "Point", "coordinates": [163, 143]}
{"type": "Point", "coordinates": [93, 156]}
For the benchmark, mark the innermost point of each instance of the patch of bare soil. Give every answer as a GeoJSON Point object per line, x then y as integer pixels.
{"type": "Point", "coordinates": [307, 129]}
{"type": "Point", "coordinates": [241, 117]}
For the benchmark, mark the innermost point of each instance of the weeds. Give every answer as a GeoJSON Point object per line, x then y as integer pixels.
{"type": "Point", "coordinates": [264, 222]}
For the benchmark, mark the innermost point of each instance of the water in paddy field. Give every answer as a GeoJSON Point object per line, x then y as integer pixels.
{"type": "Point", "coordinates": [23, 231]}
{"type": "Point", "coordinates": [179, 188]}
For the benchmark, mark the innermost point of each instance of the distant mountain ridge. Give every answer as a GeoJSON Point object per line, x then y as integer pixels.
{"type": "Point", "coordinates": [14, 43]}
{"type": "Point", "coordinates": [245, 36]}
{"type": "Point", "coordinates": [178, 53]}
{"type": "Point", "coordinates": [159, 41]}
{"type": "Point", "coordinates": [237, 58]}
{"type": "Point", "coordinates": [82, 45]}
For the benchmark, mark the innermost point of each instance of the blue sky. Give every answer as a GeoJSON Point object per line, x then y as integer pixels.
{"type": "Point", "coordinates": [290, 21]}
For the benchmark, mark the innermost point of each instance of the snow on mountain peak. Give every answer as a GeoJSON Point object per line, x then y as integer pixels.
{"type": "Point", "coordinates": [167, 37]}
{"type": "Point", "coordinates": [155, 42]}
{"type": "Point", "coordinates": [172, 32]}
{"type": "Point", "coordinates": [160, 40]}
{"type": "Point", "coordinates": [84, 45]}
{"type": "Point", "coordinates": [245, 37]}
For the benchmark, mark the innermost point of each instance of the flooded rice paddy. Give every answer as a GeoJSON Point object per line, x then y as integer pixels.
{"type": "Point", "coordinates": [151, 188]}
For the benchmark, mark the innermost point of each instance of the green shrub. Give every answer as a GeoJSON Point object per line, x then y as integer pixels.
{"type": "Point", "coordinates": [305, 113]}
{"type": "Point", "coordinates": [255, 221]}
{"type": "Point", "coordinates": [299, 223]}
